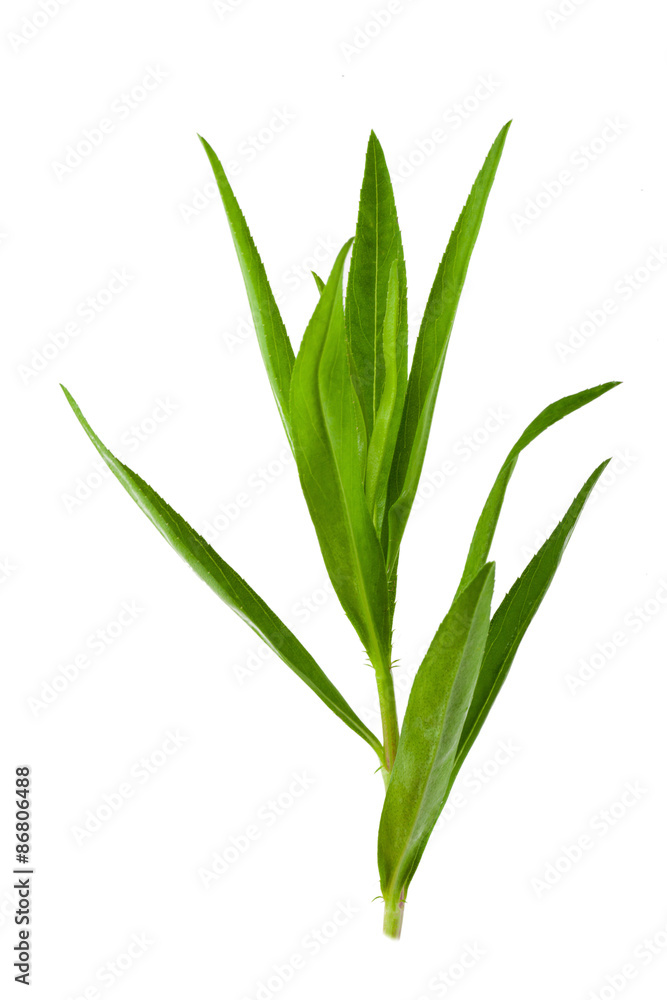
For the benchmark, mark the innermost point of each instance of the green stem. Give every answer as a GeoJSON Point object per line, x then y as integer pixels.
{"type": "Point", "coordinates": [393, 909]}
{"type": "Point", "coordinates": [385, 683]}
{"type": "Point", "coordinates": [393, 916]}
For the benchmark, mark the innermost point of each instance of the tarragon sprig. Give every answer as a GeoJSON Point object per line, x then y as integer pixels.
{"type": "Point", "coordinates": [358, 424]}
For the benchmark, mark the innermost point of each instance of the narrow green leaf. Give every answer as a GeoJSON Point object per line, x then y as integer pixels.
{"type": "Point", "coordinates": [486, 526]}
{"type": "Point", "coordinates": [509, 625]}
{"type": "Point", "coordinates": [327, 446]}
{"type": "Point", "coordinates": [514, 615]}
{"type": "Point", "coordinates": [229, 586]}
{"type": "Point", "coordinates": [383, 438]}
{"type": "Point", "coordinates": [377, 245]}
{"type": "Point", "coordinates": [436, 712]}
{"type": "Point", "coordinates": [431, 349]}
{"type": "Point", "coordinates": [274, 343]}
{"type": "Point", "coordinates": [362, 440]}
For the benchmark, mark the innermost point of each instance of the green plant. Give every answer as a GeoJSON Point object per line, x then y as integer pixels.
{"type": "Point", "coordinates": [358, 427]}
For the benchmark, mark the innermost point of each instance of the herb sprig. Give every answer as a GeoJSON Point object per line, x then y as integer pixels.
{"type": "Point", "coordinates": [358, 424]}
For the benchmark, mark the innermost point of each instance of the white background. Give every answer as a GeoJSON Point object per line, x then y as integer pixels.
{"type": "Point", "coordinates": [139, 204]}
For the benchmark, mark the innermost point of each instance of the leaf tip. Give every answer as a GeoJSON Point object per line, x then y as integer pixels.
{"type": "Point", "coordinates": [68, 394]}
{"type": "Point", "coordinates": [208, 149]}
{"type": "Point", "coordinates": [374, 148]}
{"type": "Point", "coordinates": [502, 135]}
{"type": "Point", "coordinates": [606, 386]}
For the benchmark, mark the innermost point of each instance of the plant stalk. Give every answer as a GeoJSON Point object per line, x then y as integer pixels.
{"type": "Point", "coordinates": [385, 683]}
{"type": "Point", "coordinates": [393, 916]}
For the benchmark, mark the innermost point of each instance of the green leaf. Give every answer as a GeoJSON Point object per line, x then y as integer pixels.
{"type": "Point", "coordinates": [383, 438]}
{"type": "Point", "coordinates": [436, 712]}
{"type": "Point", "coordinates": [486, 526]}
{"type": "Point", "coordinates": [431, 349]}
{"type": "Point", "coordinates": [229, 586]}
{"type": "Point", "coordinates": [509, 623]}
{"type": "Point", "coordinates": [328, 451]}
{"type": "Point", "coordinates": [274, 343]}
{"type": "Point", "coordinates": [363, 443]}
{"type": "Point", "coordinates": [377, 245]}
